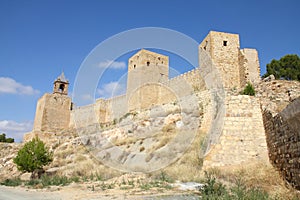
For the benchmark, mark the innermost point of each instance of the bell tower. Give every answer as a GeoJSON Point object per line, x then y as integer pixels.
{"type": "Point", "coordinates": [53, 111]}
{"type": "Point", "coordinates": [61, 85]}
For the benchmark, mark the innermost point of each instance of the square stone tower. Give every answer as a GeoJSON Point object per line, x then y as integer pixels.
{"type": "Point", "coordinates": [223, 49]}
{"type": "Point", "coordinates": [146, 67]}
{"type": "Point", "coordinates": [236, 66]}
{"type": "Point", "coordinates": [53, 110]}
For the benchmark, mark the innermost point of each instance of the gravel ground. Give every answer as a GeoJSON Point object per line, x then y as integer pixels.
{"type": "Point", "coordinates": [73, 193]}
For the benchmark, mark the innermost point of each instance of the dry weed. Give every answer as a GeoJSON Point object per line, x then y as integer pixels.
{"type": "Point", "coordinates": [258, 175]}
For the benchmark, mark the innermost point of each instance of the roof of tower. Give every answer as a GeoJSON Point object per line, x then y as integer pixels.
{"type": "Point", "coordinates": [145, 51]}
{"type": "Point", "coordinates": [61, 78]}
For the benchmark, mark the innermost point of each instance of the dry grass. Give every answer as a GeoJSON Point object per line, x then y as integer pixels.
{"type": "Point", "coordinates": [188, 167]}
{"type": "Point", "coordinates": [80, 158]}
{"type": "Point", "coordinates": [162, 138]}
{"type": "Point", "coordinates": [169, 128]}
{"type": "Point", "coordinates": [63, 154]}
{"type": "Point", "coordinates": [259, 175]}
{"type": "Point", "coordinates": [83, 166]}
{"type": "Point", "coordinates": [125, 141]}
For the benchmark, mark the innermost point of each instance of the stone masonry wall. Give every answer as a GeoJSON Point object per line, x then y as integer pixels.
{"type": "Point", "coordinates": [83, 116]}
{"type": "Point", "coordinates": [277, 94]}
{"type": "Point", "coordinates": [148, 95]}
{"type": "Point", "coordinates": [251, 67]}
{"type": "Point", "coordinates": [243, 139]}
{"type": "Point", "coordinates": [38, 119]}
{"type": "Point", "coordinates": [224, 52]}
{"type": "Point", "coordinates": [283, 139]}
{"type": "Point", "coordinates": [146, 67]}
{"type": "Point", "coordinates": [52, 113]}
{"type": "Point", "coordinates": [192, 79]}
{"type": "Point", "coordinates": [242, 69]}
{"type": "Point", "coordinates": [116, 107]}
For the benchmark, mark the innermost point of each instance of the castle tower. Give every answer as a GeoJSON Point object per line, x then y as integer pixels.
{"type": "Point", "coordinates": [236, 66]}
{"type": "Point", "coordinates": [146, 67]}
{"type": "Point", "coordinates": [53, 110]}
{"type": "Point", "coordinates": [61, 85]}
{"type": "Point", "coordinates": [146, 70]}
{"type": "Point", "coordinates": [223, 49]}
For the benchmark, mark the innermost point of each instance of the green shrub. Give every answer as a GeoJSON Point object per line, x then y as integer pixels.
{"type": "Point", "coordinates": [249, 90]}
{"type": "Point", "coordinates": [10, 140]}
{"type": "Point", "coordinates": [12, 182]}
{"type": "Point", "coordinates": [55, 180]}
{"type": "Point", "coordinates": [33, 156]}
{"type": "Point", "coordinates": [164, 177]}
{"type": "Point", "coordinates": [213, 190]}
{"type": "Point", "coordinates": [74, 179]}
{"type": "Point", "coordinates": [33, 182]}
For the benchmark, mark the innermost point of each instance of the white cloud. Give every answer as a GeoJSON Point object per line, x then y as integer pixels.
{"type": "Point", "coordinates": [111, 89]}
{"type": "Point", "coordinates": [112, 64]}
{"type": "Point", "coordinates": [14, 129]}
{"type": "Point", "coordinates": [10, 86]}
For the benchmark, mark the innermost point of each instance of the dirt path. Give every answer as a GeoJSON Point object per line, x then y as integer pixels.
{"type": "Point", "coordinates": [76, 192]}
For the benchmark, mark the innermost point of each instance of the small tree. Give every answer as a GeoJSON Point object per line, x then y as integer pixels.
{"type": "Point", "coordinates": [249, 90]}
{"type": "Point", "coordinates": [33, 156]}
{"type": "Point", "coordinates": [4, 139]}
{"type": "Point", "coordinates": [288, 68]}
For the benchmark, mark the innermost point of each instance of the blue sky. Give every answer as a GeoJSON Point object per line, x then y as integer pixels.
{"type": "Point", "coordinates": [40, 38]}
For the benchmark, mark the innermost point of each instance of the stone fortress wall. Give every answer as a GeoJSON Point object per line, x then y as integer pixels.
{"type": "Point", "coordinates": [283, 139]}
{"type": "Point", "coordinates": [148, 85]}
{"type": "Point", "coordinates": [243, 138]}
{"type": "Point", "coordinates": [242, 133]}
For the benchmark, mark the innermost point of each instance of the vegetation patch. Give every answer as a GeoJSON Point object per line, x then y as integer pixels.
{"type": "Point", "coordinates": [12, 182]}
{"type": "Point", "coordinates": [33, 156]}
{"type": "Point", "coordinates": [249, 90]}
{"type": "Point", "coordinates": [3, 138]}
{"type": "Point", "coordinates": [214, 189]}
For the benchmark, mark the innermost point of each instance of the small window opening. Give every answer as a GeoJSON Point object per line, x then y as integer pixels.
{"type": "Point", "coordinates": [148, 63]}
{"type": "Point", "coordinates": [224, 43]}
{"type": "Point", "coordinates": [206, 42]}
{"type": "Point", "coordinates": [61, 87]}
{"type": "Point", "coordinates": [134, 66]}
{"type": "Point", "coordinates": [158, 58]}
